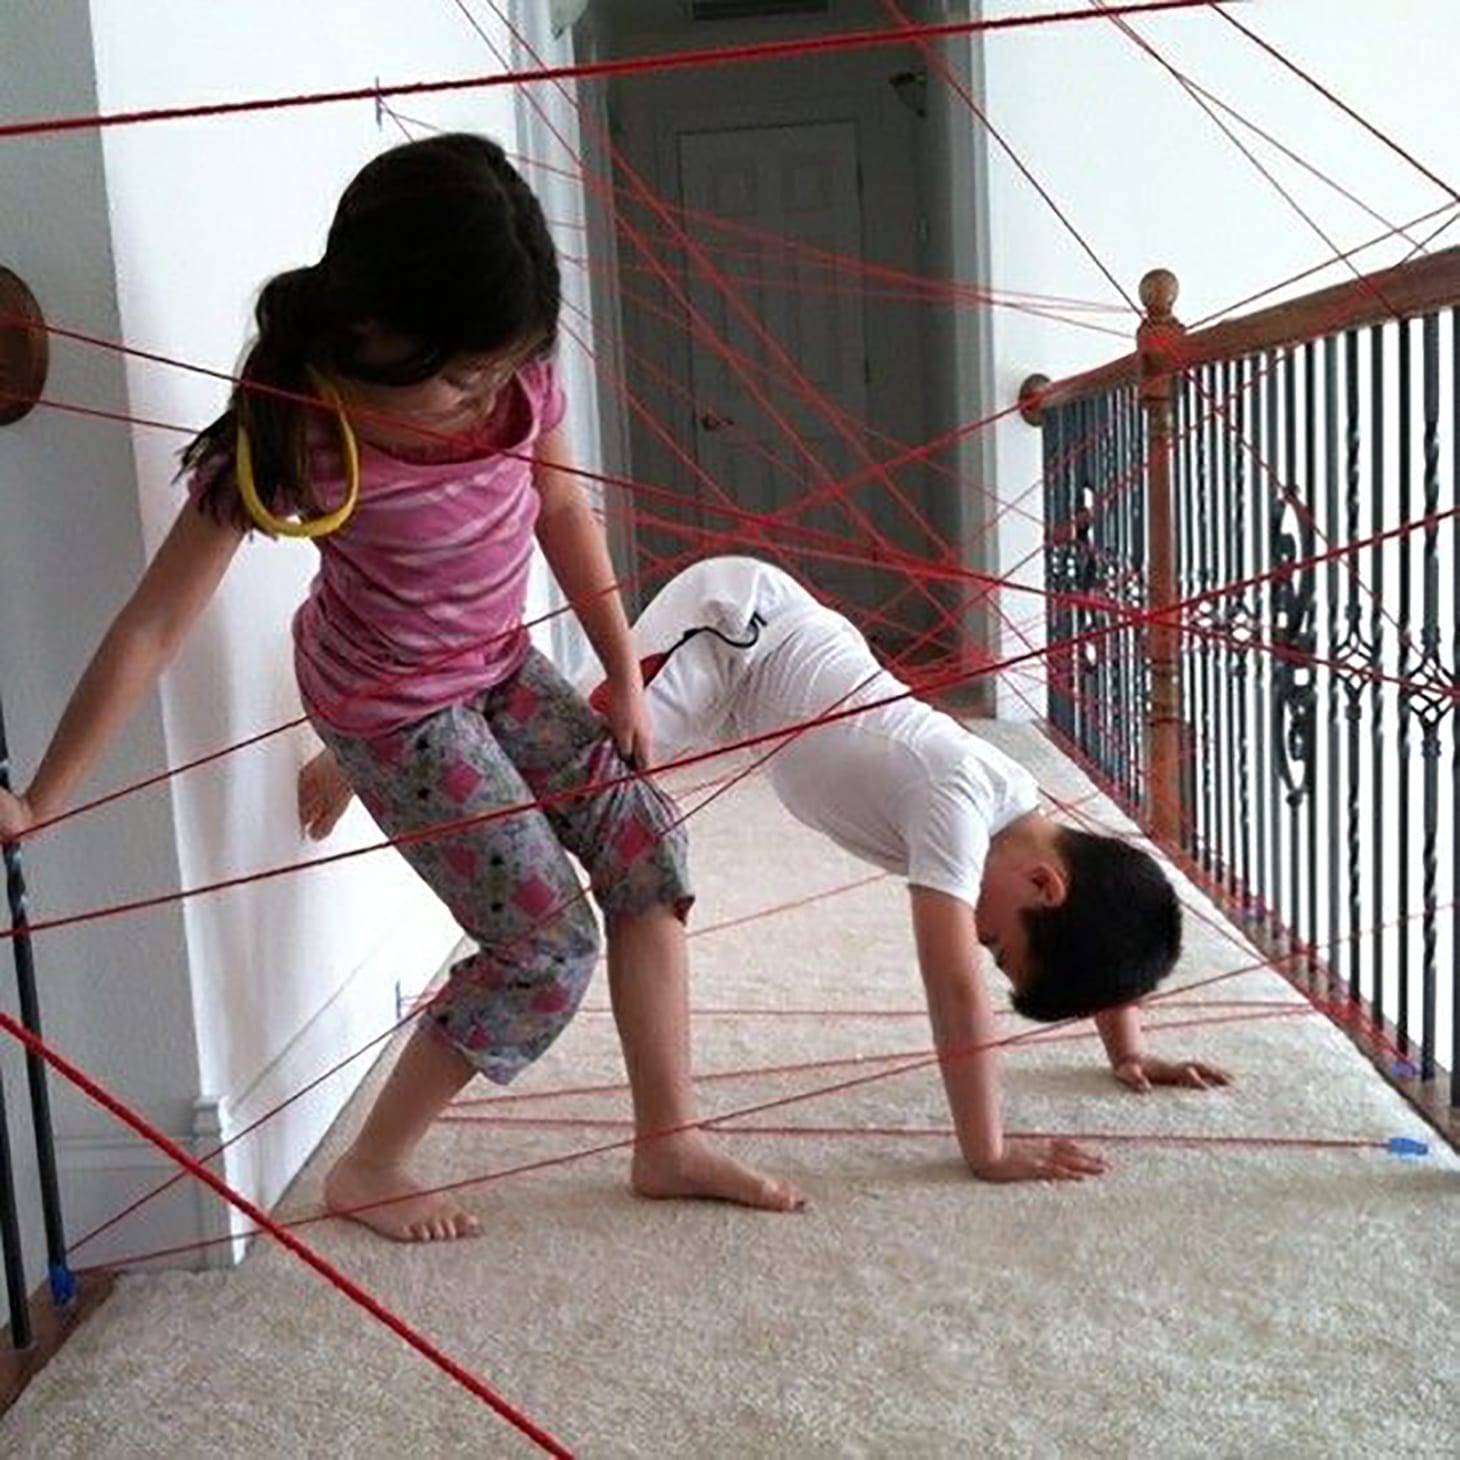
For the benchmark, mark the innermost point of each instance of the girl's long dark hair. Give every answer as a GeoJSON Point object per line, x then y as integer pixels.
{"type": "Point", "coordinates": [439, 242]}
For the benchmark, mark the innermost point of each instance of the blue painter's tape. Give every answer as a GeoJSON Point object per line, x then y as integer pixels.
{"type": "Point", "coordinates": [63, 1284]}
{"type": "Point", "coordinates": [1407, 1146]}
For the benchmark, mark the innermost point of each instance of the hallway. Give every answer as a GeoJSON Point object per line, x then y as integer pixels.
{"type": "Point", "coordinates": [1227, 1299]}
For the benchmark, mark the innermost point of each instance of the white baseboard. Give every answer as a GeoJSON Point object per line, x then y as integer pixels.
{"type": "Point", "coordinates": [100, 1176]}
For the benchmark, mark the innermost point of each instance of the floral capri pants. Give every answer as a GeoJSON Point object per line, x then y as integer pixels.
{"type": "Point", "coordinates": [507, 879]}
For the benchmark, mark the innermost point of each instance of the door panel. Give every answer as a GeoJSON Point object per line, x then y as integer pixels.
{"type": "Point", "coordinates": [763, 441]}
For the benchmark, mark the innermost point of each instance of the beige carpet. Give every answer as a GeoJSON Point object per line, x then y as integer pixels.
{"type": "Point", "coordinates": [1227, 1300]}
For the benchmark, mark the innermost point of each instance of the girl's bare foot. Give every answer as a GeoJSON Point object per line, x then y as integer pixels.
{"type": "Point", "coordinates": [388, 1201]}
{"type": "Point", "coordinates": [687, 1165]}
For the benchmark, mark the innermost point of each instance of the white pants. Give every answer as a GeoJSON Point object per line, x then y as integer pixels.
{"type": "Point", "coordinates": [721, 603]}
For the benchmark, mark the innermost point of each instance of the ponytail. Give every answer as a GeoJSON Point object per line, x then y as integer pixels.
{"type": "Point", "coordinates": [292, 336]}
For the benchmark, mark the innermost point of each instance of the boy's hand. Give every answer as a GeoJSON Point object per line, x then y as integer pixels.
{"type": "Point", "coordinates": [1039, 1160]}
{"type": "Point", "coordinates": [324, 796]}
{"type": "Point", "coordinates": [16, 817]}
{"type": "Point", "coordinates": [1144, 1071]}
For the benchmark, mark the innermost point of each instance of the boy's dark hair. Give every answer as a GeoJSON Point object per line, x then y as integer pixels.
{"type": "Point", "coordinates": [1116, 935]}
{"type": "Point", "coordinates": [438, 241]}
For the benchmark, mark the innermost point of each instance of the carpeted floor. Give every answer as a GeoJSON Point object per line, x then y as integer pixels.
{"type": "Point", "coordinates": [1220, 1300]}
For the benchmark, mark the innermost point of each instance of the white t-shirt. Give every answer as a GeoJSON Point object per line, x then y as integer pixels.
{"type": "Point", "coordinates": [904, 786]}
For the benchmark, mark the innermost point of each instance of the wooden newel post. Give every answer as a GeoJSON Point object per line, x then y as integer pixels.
{"type": "Point", "coordinates": [1158, 343]}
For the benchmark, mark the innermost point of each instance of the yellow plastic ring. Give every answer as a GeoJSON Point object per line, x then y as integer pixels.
{"type": "Point", "coordinates": [312, 526]}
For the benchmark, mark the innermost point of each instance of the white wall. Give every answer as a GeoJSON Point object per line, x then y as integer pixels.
{"type": "Point", "coordinates": [553, 149]}
{"type": "Point", "coordinates": [234, 1002]}
{"type": "Point", "coordinates": [1150, 181]}
{"type": "Point", "coordinates": [70, 548]}
{"type": "Point", "coordinates": [252, 195]}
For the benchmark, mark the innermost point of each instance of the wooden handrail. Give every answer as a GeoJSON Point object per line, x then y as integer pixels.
{"type": "Point", "coordinates": [1415, 288]}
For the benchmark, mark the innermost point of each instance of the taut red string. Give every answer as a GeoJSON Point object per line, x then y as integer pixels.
{"type": "Point", "coordinates": [632, 66]}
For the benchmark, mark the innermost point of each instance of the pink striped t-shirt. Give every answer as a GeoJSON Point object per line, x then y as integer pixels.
{"type": "Point", "coordinates": [419, 599]}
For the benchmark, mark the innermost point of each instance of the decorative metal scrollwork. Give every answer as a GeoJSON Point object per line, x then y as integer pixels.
{"type": "Point", "coordinates": [1295, 636]}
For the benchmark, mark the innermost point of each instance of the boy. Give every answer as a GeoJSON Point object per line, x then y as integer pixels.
{"type": "Point", "coordinates": [734, 648]}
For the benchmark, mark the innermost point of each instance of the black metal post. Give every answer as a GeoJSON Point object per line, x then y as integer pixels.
{"type": "Point", "coordinates": [62, 1280]}
{"type": "Point", "coordinates": [1405, 668]}
{"type": "Point", "coordinates": [1379, 699]}
{"type": "Point", "coordinates": [1455, 722]}
{"type": "Point", "coordinates": [13, 1257]}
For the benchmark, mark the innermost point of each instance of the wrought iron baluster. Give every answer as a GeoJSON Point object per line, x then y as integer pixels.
{"type": "Point", "coordinates": [1083, 498]}
{"type": "Point", "coordinates": [1139, 596]}
{"type": "Point", "coordinates": [1048, 432]}
{"type": "Point", "coordinates": [1129, 599]}
{"type": "Point", "coordinates": [1074, 474]}
{"type": "Point", "coordinates": [1084, 580]}
{"type": "Point", "coordinates": [1376, 661]}
{"type": "Point", "coordinates": [1294, 691]}
{"type": "Point", "coordinates": [1058, 516]}
{"type": "Point", "coordinates": [1228, 617]}
{"type": "Point", "coordinates": [1206, 453]}
{"type": "Point", "coordinates": [16, 1291]}
{"type": "Point", "coordinates": [1184, 493]}
{"type": "Point", "coordinates": [1104, 648]}
{"type": "Point", "coordinates": [1310, 456]}
{"type": "Point", "coordinates": [1072, 469]}
{"type": "Point", "coordinates": [62, 1280]}
{"type": "Point", "coordinates": [1119, 587]}
{"type": "Point", "coordinates": [1076, 470]}
{"type": "Point", "coordinates": [1325, 849]}
{"type": "Point", "coordinates": [1430, 704]}
{"type": "Point", "coordinates": [1279, 593]}
{"type": "Point", "coordinates": [1402, 778]}
{"type": "Point", "coordinates": [1242, 627]}
{"type": "Point", "coordinates": [1454, 711]}
{"type": "Point", "coordinates": [1353, 655]}
{"type": "Point", "coordinates": [1264, 781]}
{"type": "Point", "coordinates": [1117, 578]}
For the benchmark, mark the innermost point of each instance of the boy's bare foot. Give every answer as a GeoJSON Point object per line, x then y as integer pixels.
{"type": "Point", "coordinates": [687, 1165]}
{"type": "Point", "coordinates": [354, 1187]}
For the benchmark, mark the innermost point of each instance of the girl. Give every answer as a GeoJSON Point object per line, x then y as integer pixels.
{"type": "Point", "coordinates": [432, 461]}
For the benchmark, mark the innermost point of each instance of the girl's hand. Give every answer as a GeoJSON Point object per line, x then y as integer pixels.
{"type": "Point", "coordinates": [1143, 1071]}
{"type": "Point", "coordinates": [628, 721]}
{"type": "Point", "coordinates": [324, 795]}
{"type": "Point", "coordinates": [1042, 1160]}
{"type": "Point", "coordinates": [16, 816]}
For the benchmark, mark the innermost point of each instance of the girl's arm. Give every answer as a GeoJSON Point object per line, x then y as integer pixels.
{"type": "Point", "coordinates": [963, 1034]}
{"type": "Point", "coordinates": [142, 641]}
{"type": "Point", "coordinates": [574, 546]}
